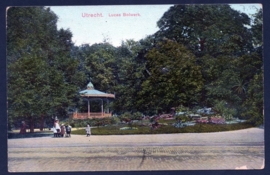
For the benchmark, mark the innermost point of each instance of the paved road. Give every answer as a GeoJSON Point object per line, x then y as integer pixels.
{"type": "Point", "coordinates": [243, 149]}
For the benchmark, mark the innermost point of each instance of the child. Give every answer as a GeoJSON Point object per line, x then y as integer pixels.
{"type": "Point", "coordinates": [88, 131]}
{"type": "Point", "coordinates": [68, 130]}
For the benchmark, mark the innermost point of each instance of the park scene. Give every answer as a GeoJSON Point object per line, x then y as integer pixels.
{"type": "Point", "coordinates": [186, 96]}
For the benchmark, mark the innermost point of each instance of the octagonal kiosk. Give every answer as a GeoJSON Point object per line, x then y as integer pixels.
{"type": "Point", "coordinates": [92, 94]}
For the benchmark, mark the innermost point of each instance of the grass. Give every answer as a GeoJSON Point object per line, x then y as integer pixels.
{"type": "Point", "coordinates": [198, 128]}
{"type": "Point", "coordinates": [142, 128]}
{"type": "Point", "coordinates": [16, 134]}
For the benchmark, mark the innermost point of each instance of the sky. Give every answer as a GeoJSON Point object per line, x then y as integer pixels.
{"type": "Point", "coordinates": [93, 24]}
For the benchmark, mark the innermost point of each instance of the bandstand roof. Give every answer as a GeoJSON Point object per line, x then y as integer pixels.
{"type": "Point", "coordinates": [92, 92]}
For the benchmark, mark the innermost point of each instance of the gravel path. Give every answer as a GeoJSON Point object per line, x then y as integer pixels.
{"type": "Point", "coordinates": [242, 149]}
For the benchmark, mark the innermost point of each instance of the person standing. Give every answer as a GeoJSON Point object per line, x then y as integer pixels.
{"type": "Point", "coordinates": [23, 128]}
{"type": "Point", "coordinates": [63, 130]}
{"type": "Point", "coordinates": [54, 132]}
{"type": "Point", "coordinates": [88, 130]}
{"type": "Point", "coordinates": [57, 127]}
{"type": "Point", "coordinates": [68, 130]}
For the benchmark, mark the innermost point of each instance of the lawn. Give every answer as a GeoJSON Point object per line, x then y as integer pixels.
{"type": "Point", "coordinates": [141, 128]}
{"type": "Point", "coordinates": [198, 128]}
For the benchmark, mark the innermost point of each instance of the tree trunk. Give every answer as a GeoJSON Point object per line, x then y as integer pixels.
{"type": "Point", "coordinates": [41, 123]}
{"type": "Point", "coordinates": [32, 124]}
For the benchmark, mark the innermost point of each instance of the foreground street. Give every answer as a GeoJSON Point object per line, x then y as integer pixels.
{"type": "Point", "coordinates": [243, 149]}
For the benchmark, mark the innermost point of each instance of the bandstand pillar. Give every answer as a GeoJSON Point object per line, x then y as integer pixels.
{"type": "Point", "coordinates": [88, 108]}
{"type": "Point", "coordinates": [102, 107]}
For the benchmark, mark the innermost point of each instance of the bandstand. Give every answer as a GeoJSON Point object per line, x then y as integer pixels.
{"type": "Point", "coordinates": [92, 94]}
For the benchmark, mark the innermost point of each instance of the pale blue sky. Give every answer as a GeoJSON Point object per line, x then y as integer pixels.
{"type": "Point", "coordinates": [91, 30]}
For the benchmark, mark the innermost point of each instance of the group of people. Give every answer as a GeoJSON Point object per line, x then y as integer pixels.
{"type": "Point", "coordinates": [65, 130]}
{"type": "Point", "coordinates": [61, 131]}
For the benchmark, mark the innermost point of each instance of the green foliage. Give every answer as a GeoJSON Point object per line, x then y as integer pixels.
{"type": "Point", "coordinates": [201, 56]}
{"type": "Point", "coordinates": [30, 31]}
{"type": "Point", "coordinates": [137, 116]}
{"type": "Point", "coordinates": [42, 77]}
{"type": "Point", "coordinates": [183, 118]}
{"type": "Point", "coordinates": [256, 28]}
{"type": "Point", "coordinates": [174, 78]}
{"type": "Point", "coordinates": [221, 76]}
{"type": "Point", "coordinates": [95, 122]}
{"type": "Point", "coordinates": [206, 29]}
{"type": "Point", "coordinates": [159, 72]}
{"type": "Point", "coordinates": [199, 128]}
{"type": "Point", "coordinates": [228, 78]}
{"type": "Point", "coordinates": [126, 115]}
{"type": "Point", "coordinates": [253, 105]}
{"type": "Point", "coordinates": [113, 70]}
{"type": "Point", "coordinates": [229, 50]}
{"type": "Point", "coordinates": [116, 120]}
{"type": "Point", "coordinates": [222, 108]}
{"type": "Point", "coordinates": [186, 111]}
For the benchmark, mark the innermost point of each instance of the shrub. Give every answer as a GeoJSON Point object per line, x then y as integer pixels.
{"type": "Point", "coordinates": [93, 122]}
{"type": "Point", "coordinates": [137, 116]}
{"type": "Point", "coordinates": [183, 118]}
{"type": "Point", "coordinates": [226, 112]}
{"type": "Point", "coordinates": [116, 120]}
{"type": "Point", "coordinates": [126, 115]}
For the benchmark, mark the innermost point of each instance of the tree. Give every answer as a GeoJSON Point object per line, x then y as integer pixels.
{"type": "Point", "coordinates": [207, 29]}
{"type": "Point", "coordinates": [221, 76]}
{"type": "Point", "coordinates": [115, 70]}
{"type": "Point", "coordinates": [99, 59]}
{"type": "Point", "coordinates": [30, 34]}
{"type": "Point", "coordinates": [98, 62]}
{"type": "Point", "coordinates": [174, 77]}
{"type": "Point", "coordinates": [42, 76]}
{"type": "Point", "coordinates": [26, 89]}
{"type": "Point", "coordinates": [253, 105]}
{"type": "Point", "coordinates": [130, 74]}
{"type": "Point", "coordinates": [30, 30]}
{"type": "Point", "coordinates": [228, 77]}
{"type": "Point", "coordinates": [256, 28]}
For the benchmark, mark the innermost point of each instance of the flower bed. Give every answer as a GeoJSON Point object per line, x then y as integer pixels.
{"type": "Point", "coordinates": [128, 128]}
{"type": "Point", "coordinates": [216, 120]}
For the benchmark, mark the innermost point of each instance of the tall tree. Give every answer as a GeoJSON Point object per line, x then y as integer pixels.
{"type": "Point", "coordinates": [130, 76]}
{"type": "Point", "coordinates": [253, 108]}
{"type": "Point", "coordinates": [30, 30]}
{"type": "Point", "coordinates": [257, 28]}
{"type": "Point", "coordinates": [207, 29]}
{"type": "Point", "coordinates": [227, 45]}
{"type": "Point", "coordinates": [26, 90]}
{"type": "Point", "coordinates": [174, 77]}
{"type": "Point", "coordinates": [42, 76]}
{"type": "Point", "coordinates": [253, 105]}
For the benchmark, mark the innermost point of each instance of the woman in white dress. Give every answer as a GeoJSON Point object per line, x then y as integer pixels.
{"type": "Point", "coordinates": [57, 127]}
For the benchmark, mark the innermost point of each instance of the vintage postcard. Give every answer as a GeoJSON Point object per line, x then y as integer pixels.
{"type": "Point", "coordinates": [135, 88]}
